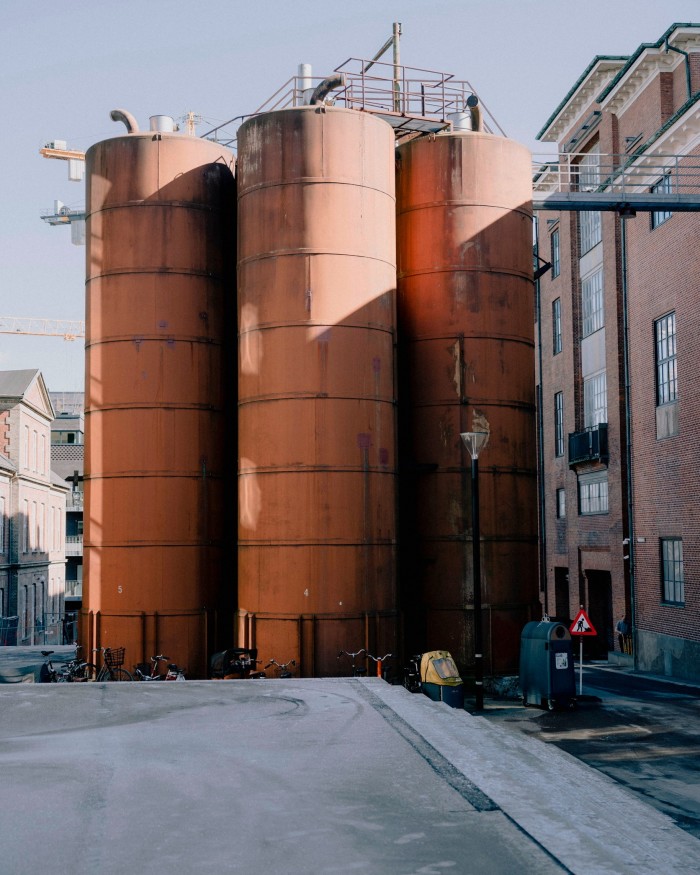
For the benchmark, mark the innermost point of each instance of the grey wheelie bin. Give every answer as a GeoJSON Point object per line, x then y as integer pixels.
{"type": "Point", "coordinates": [547, 666]}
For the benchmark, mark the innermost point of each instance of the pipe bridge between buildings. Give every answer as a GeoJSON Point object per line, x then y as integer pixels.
{"type": "Point", "coordinates": [625, 184]}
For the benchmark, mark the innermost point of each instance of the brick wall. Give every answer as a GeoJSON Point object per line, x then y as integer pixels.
{"type": "Point", "coordinates": [664, 266]}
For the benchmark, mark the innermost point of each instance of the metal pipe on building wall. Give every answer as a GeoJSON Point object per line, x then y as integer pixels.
{"type": "Point", "coordinates": [628, 431]}
{"type": "Point", "coordinates": [317, 454]}
{"type": "Point", "coordinates": [160, 211]}
{"type": "Point", "coordinates": [466, 341]}
{"type": "Point", "coordinates": [541, 497]}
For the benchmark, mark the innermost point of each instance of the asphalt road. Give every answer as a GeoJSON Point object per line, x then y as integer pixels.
{"type": "Point", "coordinates": [258, 777]}
{"type": "Point", "coordinates": [299, 777]}
{"type": "Point", "coordinates": [642, 731]}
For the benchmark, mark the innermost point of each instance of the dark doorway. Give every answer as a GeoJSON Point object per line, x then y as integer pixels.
{"type": "Point", "coordinates": [561, 596]}
{"type": "Point", "coordinates": [600, 613]}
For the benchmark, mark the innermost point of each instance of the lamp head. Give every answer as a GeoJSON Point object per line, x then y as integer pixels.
{"type": "Point", "coordinates": [475, 442]}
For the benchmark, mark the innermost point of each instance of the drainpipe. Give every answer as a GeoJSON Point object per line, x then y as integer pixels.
{"type": "Point", "coordinates": [540, 436]}
{"type": "Point", "coordinates": [628, 431]}
{"type": "Point", "coordinates": [670, 48]}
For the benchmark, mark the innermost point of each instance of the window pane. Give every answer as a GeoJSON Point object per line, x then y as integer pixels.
{"type": "Point", "coordinates": [593, 493]}
{"type": "Point", "coordinates": [556, 264]}
{"type": "Point", "coordinates": [592, 303]}
{"type": "Point", "coordinates": [556, 326]}
{"type": "Point", "coordinates": [559, 424]}
{"type": "Point", "coordinates": [663, 186]}
{"type": "Point", "coordinates": [672, 570]}
{"type": "Point", "coordinates": [666, 377]}
{"type": "Point", "coordinates": [561, 503]}
{"type": "Point", "coordinates": [589, 180]}
{"type": "Point", "coordinates": [595, 401]}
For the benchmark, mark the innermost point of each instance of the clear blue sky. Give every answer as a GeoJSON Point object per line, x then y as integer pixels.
{"type": "Point", "coordinates": [64, 66]}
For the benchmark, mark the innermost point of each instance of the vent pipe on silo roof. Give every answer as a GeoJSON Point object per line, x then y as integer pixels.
{"type": "Point", "coordinates": [325, 87]}
{"type": "Point", "coordinates": [474, 111]}
{"type": "Point", "coordinates": [305, 83]}
{"type": "Point", "coordinates": [163, 123]}
{"type": "Point", "coordinates": [122, 115]}
{"type": "Point", "coordinates": [469, 119]}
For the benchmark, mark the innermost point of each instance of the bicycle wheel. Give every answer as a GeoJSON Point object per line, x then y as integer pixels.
{"type": "Point", "coordinates": [85, 672]}
{"type": "Point", "coordinates": [118, 674]}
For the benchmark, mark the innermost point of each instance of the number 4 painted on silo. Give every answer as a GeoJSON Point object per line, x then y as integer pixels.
{"type": "Point", "coordinates": [582, 625]}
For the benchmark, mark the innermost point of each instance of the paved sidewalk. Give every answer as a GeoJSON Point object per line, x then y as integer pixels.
{"type": "Point", "coordinates": [586, 820]}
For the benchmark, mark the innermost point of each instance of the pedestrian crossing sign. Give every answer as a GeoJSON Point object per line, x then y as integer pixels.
{"type": "Point", "coordinates": [582, 625]}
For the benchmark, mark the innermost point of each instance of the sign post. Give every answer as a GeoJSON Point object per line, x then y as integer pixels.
{"type": "Point", "coordinates": [581, 626]}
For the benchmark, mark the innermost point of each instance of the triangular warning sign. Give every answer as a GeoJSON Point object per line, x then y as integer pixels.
{"type": "Point", "coordinates": [582, 625]}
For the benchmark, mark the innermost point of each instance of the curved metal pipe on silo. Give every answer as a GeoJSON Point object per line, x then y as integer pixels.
{"type": "Point", "coordinates": [465, 313]}
{"type": "Point", "coordinates": [317, 461]}
{"type": "Point", "coordinates": [160, 213]}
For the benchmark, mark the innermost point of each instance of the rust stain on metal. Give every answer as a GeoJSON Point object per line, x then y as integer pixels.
{"type": "Point", "coordinates": [465, 303]}
{"type": "Point", "coordinates": [317, 280]}
{"type": "Point", "coordinates": [159, 213]}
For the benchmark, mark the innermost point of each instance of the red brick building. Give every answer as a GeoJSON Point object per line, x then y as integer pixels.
{"type": "Point", "coordinates": [618, 352]}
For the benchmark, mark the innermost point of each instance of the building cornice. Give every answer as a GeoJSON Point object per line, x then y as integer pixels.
{"type": "Point", "coordinates": [637, 75]}
{"type": "Point", "coordinates": [649, 59]}
{"type": "Point", "coordinates": [611, 82]}
{"type": "Point", "coordinates": [601, 70]}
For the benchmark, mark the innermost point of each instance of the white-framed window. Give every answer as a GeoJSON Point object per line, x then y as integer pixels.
{"type": "Point", "coordinates": [561, 504]}
{"type": "Point", "coordinates": [559, 424]}
{"type": "Point", "coordinates": [593, 315]}
{"type": "Point", "coordinates": [663, 186]}
{"type": "Point", "coordinates": [673, 592]}
{"type": "Point", "coordinates": [666, 370]}
{"type": "Point", "coordinates": [589, 178]}
{"type": "Point", "coordinates": [26, 447]}
{"type": "Point", "coordinates": [595, 400]}
{"type": "Point", "coordinates": [556, 327]}
{"type": "Point", "coordinates": [556, 254]}
{"type": "Point", "coordinates": [593, 493]}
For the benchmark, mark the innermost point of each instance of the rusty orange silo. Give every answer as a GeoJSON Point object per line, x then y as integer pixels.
{"type": "Point", "coordinates": [465, 317]}
{"type": "Point", "coordinates": [317, 461]}
{"type": "Point", "coordinates": [160, 208]}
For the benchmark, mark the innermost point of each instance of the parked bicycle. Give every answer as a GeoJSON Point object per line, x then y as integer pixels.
{"type": "Point", "coordinates": [145, 672]}
{"type": "Point", "coordinates": [112, 665]}
{"type": "Point", "coordinates": [48, 674]}
{"type": "Point", "coordinates": [283, 668]}
{"type": "Point", "coordinates": [379, 663]}
{"type": "Point", "coordinates": [74, 670]}
{"type": "Point", "coordinates": [358, 671]}
{"type": "Point", "coordinates": [411, 674]}
{"type": "Point", "coordinates": [237, 662]}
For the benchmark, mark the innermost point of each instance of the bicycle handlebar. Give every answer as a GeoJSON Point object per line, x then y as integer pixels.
{"type": "Point", "coordinates": [281, 664]}
{"type": "Point", "coordinates": [352, 655]}
{"type": "Point", "coordinates": [381, 658]}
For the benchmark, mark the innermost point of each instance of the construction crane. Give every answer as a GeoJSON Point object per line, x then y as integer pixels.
{"type": "Point", "coordinates": [61, 214]}
{"type": "Point", "coordinates": [68, 329]}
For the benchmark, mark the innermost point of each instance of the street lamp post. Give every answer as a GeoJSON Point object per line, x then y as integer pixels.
{"type": "Point", "coordinates": [475, 442]}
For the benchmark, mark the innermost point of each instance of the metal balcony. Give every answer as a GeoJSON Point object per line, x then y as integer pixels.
{"type": "Point", "coordinates": [74, 589]}
{"type": "Point", "coordinates": [74, 545]}
{"type": "Point", "coordinates": [589, 445]}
